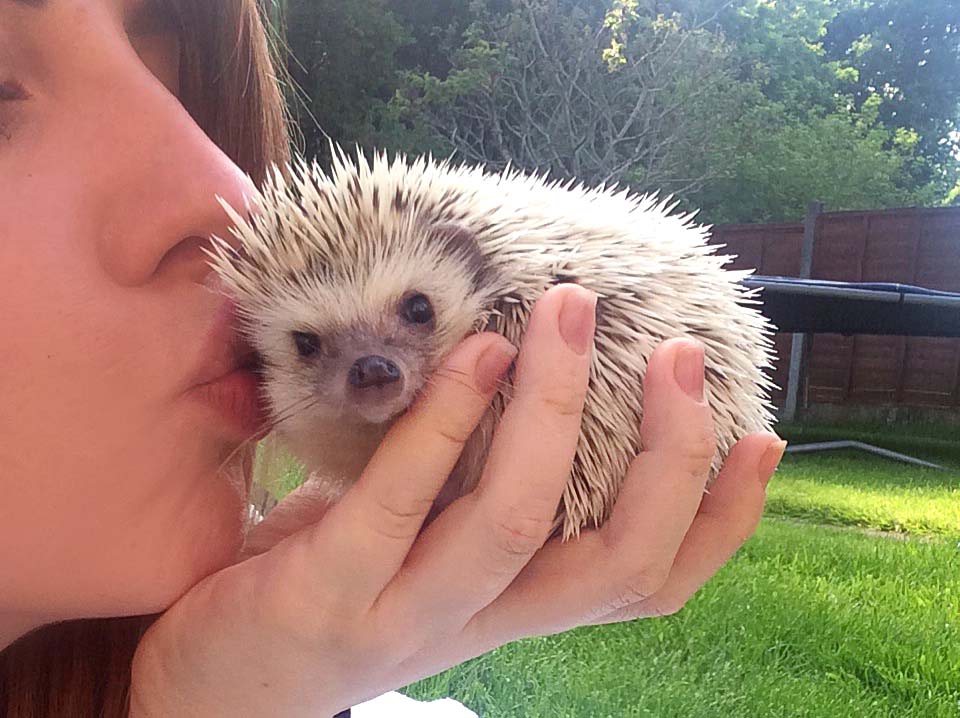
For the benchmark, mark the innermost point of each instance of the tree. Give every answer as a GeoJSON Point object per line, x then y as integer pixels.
{"type": "Point", "coordinates": [908, 52]}
{"type": "Point", "coordinates": [775, 45]}
{"type": "Point", "coordinates": [846, 158]}
{"type": "Point", "coordinates": [530, 87]}
{"type": "Point", "coordinates": [807, 138]}
{"type": "Point", "coordinates": [436, 28]}
{"type": "Point", "coordinates": [343, 59]}
{"type": "Point", "coordinates": [746, 108]}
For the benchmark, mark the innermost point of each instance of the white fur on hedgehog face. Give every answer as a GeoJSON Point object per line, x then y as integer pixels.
{"type": "Point", "coordinates": [407, 312]}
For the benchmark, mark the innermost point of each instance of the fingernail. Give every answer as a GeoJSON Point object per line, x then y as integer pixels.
{"type": "Point", "coordinates": [578, 320]}
{"type": "Point", "coordinates": [688, 370]}
{"type": "Point", "coordinates": [770, 460]}
{"type": "Point", "coordinates": [493, 364]}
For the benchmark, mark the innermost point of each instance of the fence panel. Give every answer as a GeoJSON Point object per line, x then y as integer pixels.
{"type": "Point", "coordinates": [912, 246]}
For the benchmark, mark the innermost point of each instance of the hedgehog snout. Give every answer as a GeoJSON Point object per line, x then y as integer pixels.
{"type": "Point", "coordinates": [377, 384]}
{"type": "Point", "coordinates": [373, 372]}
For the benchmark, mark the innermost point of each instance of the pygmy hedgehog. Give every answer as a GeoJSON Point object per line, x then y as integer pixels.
{"type": "Point", "coordinates": [353, 285]}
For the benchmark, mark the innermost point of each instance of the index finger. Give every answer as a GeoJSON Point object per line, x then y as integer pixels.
{"type": "Point", "coordinates": [377, 521]}
{"type": "Point", "coordinates": [481, 542]}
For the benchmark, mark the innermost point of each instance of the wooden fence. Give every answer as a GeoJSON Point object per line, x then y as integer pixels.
{"type": "Point", "coordinates": [911, 246]}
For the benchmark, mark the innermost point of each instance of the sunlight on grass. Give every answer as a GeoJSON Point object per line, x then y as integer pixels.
{"type": "Point", "coordinates": [805, 621]}
{"type": "Point", "coordinates": [276, 469]}
{"type": "Point", "coordinates": [857, 489]}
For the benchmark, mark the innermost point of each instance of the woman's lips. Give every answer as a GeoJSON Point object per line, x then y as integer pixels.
{"type": "Point", "coordinates": [228, 381]}
{"type": "Point", "coordinates": [236, 399]}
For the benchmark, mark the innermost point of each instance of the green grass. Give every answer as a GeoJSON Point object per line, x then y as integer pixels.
{"type": "Point", "coordinates": [814, 617]}
{"type": "Point", "coordinates": [811, 619]}
{"type": "Point", "coordinates": [938, 443]}
{"type": "Point", "coordinates": [277, 469]}
{"type": "Point", "coordinates": [805, 621]}
{"type": "Point", "coordinates": [857, 489]}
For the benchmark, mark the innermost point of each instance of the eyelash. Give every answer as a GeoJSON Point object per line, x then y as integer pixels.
{"type": "Point", "coordinates": [11, 90]}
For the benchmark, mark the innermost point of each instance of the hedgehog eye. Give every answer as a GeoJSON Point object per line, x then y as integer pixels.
{"type": "Point", "coordinates": [307, 343]}
{"type": "Point", "coordinates": [417, 309]}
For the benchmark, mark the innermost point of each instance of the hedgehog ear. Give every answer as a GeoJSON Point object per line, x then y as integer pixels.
{"type": "Point", "coordinates": [455, 237]}
{"type": "Point", "coordinates": [461, 242]}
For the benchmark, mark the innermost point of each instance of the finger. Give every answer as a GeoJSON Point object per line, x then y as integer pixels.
{"type": "Point", "coordinates": [728, 516]}
{"type": "Point", "coordinates": [376, 522]}
{"type": "Point", "coordinates": [629, 558]}
{"type": "Point", "coordinates": [542, 599]}
{"type": "Point", "coordinates": [472, 552]}
{"type": "Point", "coordinates": [302, 507]}
{"type": "Point", "coordinates": [665, 483]}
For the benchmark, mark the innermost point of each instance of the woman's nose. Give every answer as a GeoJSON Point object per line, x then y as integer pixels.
{"type": "Point", "coordinates": [163, 188]}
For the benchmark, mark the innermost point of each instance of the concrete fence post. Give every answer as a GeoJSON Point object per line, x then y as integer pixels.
{"type": "Point", "coordinates": [799, 342]}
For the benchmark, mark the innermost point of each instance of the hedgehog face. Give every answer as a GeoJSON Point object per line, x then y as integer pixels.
{"type": "Point", "coordinates": [352, 291]}
{"type": "Point", "coordinates": [346, 352]}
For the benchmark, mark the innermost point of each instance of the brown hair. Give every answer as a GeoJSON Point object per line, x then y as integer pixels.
{"type": "Point", "coordinates": [81, 669]}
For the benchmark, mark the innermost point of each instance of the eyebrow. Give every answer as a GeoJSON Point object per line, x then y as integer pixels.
{"type": "Point", "coordinates": [30, 3]}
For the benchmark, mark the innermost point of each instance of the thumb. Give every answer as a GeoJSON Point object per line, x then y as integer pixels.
{"type": "Point", "coordinates": [302, 507]}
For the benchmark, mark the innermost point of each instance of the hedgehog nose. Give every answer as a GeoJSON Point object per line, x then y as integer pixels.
{"type": "Point", "coordinates": [373, 371]}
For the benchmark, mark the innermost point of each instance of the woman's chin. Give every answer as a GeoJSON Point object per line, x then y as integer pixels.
{"type": "Point", "coordinates": [201, 539]}
{"type": "Point", "coordinates": [218, 553]}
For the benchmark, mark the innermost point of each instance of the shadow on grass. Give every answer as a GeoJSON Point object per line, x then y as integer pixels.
{"type": "Point", "coordinates": [938, 443]}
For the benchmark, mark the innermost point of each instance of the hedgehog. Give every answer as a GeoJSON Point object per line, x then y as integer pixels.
{"type": "Point", "coordinates": [353, 284]}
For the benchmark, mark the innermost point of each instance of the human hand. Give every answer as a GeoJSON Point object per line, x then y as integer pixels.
{"type": "Point", "coordinates": [362, 601]}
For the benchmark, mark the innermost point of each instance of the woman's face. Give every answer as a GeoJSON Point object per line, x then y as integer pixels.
{"type": "Point", "coordinates": [115, 416]}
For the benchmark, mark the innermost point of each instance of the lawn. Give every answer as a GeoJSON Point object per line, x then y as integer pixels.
{"type": "Point", "coordinates": [845, 603]}
{"type": "Point", "coordinates": [807, 620]}
{"type": "Point", "coordinates": [856, 489]}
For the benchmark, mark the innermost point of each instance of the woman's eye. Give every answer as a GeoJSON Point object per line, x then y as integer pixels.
{"type": "Point", "coordinates": [307, 343]}
{"type": "Point", "coordinates": [417, 309]}
{"type": "Point", "coordinates": [11, 90]}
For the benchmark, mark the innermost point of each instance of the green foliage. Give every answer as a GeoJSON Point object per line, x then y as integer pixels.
{"type": "Point", "coordinates": [436, 27]}
{"type": "Point", "coordinates": [908, 51]}
{"type": "Point", "coordinates": [344, 60]}
{"type": "Point", "coordinates": [845, 157]}
{"type": "Point", "coordinates": [953, 196]}
{"type": "Point", "coordinates": [621, 16]}
{"type": "Point", "coordinates": [748, 109]}
{"type": "Point", "coordinates": [530, 86]}
{"type": "Point", "coordinates": [778, 46]}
